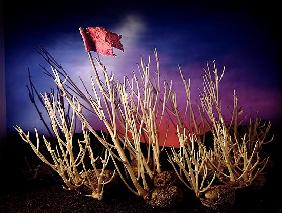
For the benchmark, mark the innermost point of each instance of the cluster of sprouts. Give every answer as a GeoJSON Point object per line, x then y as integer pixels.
{"type": "Point", "coordinates": [132, 112]}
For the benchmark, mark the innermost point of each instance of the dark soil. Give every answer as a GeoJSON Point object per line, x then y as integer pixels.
{"type": "Point", "coordinates": [50, 197]}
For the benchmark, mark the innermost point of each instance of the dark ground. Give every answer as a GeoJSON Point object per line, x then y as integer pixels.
{"type": "Point", "coordinates": [19, 192]}
{"type": "Point", "coordinates": [52, 198]}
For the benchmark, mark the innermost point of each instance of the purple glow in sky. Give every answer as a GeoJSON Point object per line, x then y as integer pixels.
{"type": "Point", "coordinates": [183, 35]}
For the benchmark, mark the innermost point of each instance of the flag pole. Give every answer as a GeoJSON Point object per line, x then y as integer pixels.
{"type": "Point", "coordinates": [98, 56]}
{"type": "Point", "coordinates": [93, 65]}
{"type": "Point", "coordinates": [91, 60]}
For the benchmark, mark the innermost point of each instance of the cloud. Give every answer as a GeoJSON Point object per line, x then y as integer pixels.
{"type": "Point", "coordinates": [132, 29]}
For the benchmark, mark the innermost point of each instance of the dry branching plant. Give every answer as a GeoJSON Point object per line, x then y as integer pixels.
{"type": "Point", "coordinates": [190, 163]}
{"type": "Point", "coordinates": [132, 112]}
{"type": "Point", "coordinates": [190, 160]}
{"type": "Point", "coordinates": [233, 159]}
{"type": "Point", "coordinates": [61, 155]}
{"type": "Point", "coordinates": [236, 156]}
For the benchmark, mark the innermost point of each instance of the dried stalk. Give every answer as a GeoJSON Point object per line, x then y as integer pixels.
{"type": "Point", "coordinates": [62, 157]}
{"type": "Point", "coordinates": [190, 163]}
{"type": "Point", "coordinates": [132, 113]}
{"type": "Point", "coordinates": [235, 158]}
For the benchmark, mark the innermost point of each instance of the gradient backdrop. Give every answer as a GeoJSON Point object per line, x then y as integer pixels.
{"type": "Point", "coordinates": [242, 37]}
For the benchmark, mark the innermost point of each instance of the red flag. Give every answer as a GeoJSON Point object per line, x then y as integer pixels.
{"type": "Point", "coordinates": [100, 40]}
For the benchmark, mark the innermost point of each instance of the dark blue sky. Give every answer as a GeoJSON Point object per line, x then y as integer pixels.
{"type": "Point", "coordinates": [242, 37]}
